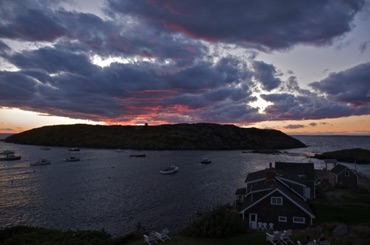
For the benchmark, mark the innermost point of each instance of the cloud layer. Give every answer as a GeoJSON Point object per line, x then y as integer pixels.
{"type": "Point", "coordinates": [169, 61]}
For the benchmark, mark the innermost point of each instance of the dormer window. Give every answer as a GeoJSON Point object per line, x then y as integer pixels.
{"type": "Point", "coordinates": [276, 201]}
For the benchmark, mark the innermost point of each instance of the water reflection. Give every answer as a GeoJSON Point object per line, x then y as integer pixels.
{"type": "Point", "coordinates": [109, 190]}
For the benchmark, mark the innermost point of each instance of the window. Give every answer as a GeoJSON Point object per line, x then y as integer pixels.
{"type": "Point", "coordinates": [276, 201]}
{"type": "Point", "coordinates": [299, 220]}
{"type": "Point", "coordinates": [282, 219]}
{"type": "Point", "coordinates": [346, 173]}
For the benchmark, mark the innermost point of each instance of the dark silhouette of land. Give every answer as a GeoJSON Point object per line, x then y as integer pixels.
{"type": "Point", "coordinates": [356, 155]}
{"type": "Point", "coordinates": [201, 136]}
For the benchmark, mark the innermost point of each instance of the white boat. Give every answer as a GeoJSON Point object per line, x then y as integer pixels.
{"type": "Point", "coordinates": [72, 159]}
{"type": "Point", "coordinates": [171, 169]}
{"type": "Point", "coordinates": [41, 163]}
{"type": "Point", "coordinates": [74, 149]}
{"type": "Point", "coordinates": [10, 157]}
{"type": "Point", "coordinates": [6, 152]}
{"type": "Point", "coordinates": [205, 161]}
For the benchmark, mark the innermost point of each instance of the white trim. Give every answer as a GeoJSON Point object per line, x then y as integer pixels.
{"type": "Point", "coordinates": [281, 181]}
{"type": "Point", "coordinates": [252, 181]}
{"type": "Point", "coordinates": [276, 200]}
{"type": "Point", "coordinates": [282, 219]}
{"type": "Point", "coordinates": [299, 222]}
{"type": "Point", "coordinates": [288, 180]}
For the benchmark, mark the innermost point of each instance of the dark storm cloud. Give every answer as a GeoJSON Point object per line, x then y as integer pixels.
{"type": "Point", "coordinates": [266, 75]}
{"type": "Point", "coordinates": [170, 72]}
{"type": "Point", "coordinates": [53, 60]}
{"type": "Point", "coordinates": [27, 23]}
{"type": "Point", "coordinates": [350, 86]}
{"type": "Point", "coordinates": [65, 83]}
{"type": "Point", "coordinates": [4, 48]}
{"type": "Point", "coordinates": [291, 107]}
{"type": "Point", "coordinates": [273, 24]}
{"type": "Point", "coordinates": [16, 89]}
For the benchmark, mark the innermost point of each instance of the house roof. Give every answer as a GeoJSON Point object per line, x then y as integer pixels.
{"type": "Point", "coordinates": [241, 191]}
{"type": "Point", "coordinates": [272, 186]}
{"type": "Point", "coordinates": [293, 169]}
{"type": "Point", "coordinates": [339, 168]}
{"type": "Point", "coordinates": [258, 175]}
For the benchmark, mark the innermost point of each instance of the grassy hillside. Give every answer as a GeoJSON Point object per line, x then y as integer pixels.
{"type": "Point", "coordinates": [163, 137]}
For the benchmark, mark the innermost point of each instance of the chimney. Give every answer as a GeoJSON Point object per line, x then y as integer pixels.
{"type": "Point", "coordinates": [270, 164]}
{"type": "Point", "coordinates": [270, 174]}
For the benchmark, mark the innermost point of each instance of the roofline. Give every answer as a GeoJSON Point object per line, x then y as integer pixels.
{"type": "Point", "coordinates": [260, 190]}
{"type": "Point", "coordinates": [281, 192]}
{"type": "Point", "coordinates": [252, 181]}
{"type": "Point", "coordinates": [289, 180]}
{"type": "Point", "coordinates": [283, 183]}
{"type": "Point", "coordinates": [345, 168]}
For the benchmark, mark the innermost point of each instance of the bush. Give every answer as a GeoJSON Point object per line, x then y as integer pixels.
{"type": "Point", "coordinates": [218, 223]}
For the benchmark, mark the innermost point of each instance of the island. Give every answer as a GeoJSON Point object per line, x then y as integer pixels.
{"type": "Point", "coordinates": [198, 136]}
{"type": "Point", "coordinates": [355, 155]}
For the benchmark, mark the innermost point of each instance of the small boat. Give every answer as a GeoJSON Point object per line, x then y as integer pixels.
{"type": "Point", "coordinates": [205, 161]}
{"type": "Point", "coordinates": [171, 169]}
{"type": "Point", "coordinates": [41, 163]}
{"type": "Point", "coordinates": [6, 152]}
{"type": "Point", "coordinates": [45, 148]}
{"type": "Point", "coordinates": [138, 155]}
{"type": "Point", "coordinates": [72, 159]}
{"type": "Point", "coordinates": [10, 157]}
{"type": "Point", "coordinates": [74, 149]}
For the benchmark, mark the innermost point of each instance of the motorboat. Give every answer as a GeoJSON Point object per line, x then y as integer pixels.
{"type": "Point", "coordinates": [171, 169]}
{"type": "Point", "coordinates": [74, 149]}
{"type": "Point", "coordinates": [72, 159]}
{"type": "Point", "coordinates": [6, 152]}
{"type": "Point", "coordinates": [205, 161]}
{"type": "Point", "coordinates": [10, 157]}
{"type": "Point", "coordinates": [138, 155]}
{"type": "Point", "coordinates": [41, 162]}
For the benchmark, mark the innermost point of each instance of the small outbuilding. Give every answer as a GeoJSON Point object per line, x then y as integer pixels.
{"type": "Point", "coordinates": [341, 175]}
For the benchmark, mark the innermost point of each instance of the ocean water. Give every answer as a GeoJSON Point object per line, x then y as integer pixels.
{"type": "Point", "coordinates": [109, 190]}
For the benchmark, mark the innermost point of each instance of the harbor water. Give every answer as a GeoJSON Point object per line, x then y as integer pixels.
{"type": "Point", "coordinates": [109, 190]}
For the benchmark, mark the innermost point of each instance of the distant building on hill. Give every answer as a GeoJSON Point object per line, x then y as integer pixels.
{"type": "Point", "coordinates": [341, 175]}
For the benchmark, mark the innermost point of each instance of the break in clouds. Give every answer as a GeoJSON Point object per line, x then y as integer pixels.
{"type": "Point", "coordinates": [169, 61]}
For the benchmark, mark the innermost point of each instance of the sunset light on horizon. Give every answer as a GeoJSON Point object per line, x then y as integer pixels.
{"type": "Point", "coordinates": [301, 67]}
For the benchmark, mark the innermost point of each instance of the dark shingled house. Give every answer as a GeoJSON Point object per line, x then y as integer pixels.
{"type": "Point", "coordinates": [278, 196]}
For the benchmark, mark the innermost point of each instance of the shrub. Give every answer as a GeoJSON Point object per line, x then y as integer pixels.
{"type": "Point", "coordinates": [218, 223]}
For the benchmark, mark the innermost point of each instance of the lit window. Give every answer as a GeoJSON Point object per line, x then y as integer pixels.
{"type": "Point", "coordinates": [282, 219]}
{"type": "Point", "coordinates": [299, 220]}
{"type": "Point", "coordinates": [276, 201]}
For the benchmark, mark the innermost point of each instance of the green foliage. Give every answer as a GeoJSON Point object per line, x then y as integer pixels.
{"type": "Point", "coordinates": [218, 223]}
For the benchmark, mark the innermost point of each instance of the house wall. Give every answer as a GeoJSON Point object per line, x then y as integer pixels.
{"type": "Point", "coordinates": [350, 180]}
{"type": "Point", "coordinates": [268, 213]}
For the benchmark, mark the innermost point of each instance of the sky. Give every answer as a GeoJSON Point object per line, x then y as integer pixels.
{"type": "Point", "coordinates": [302, 67]}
